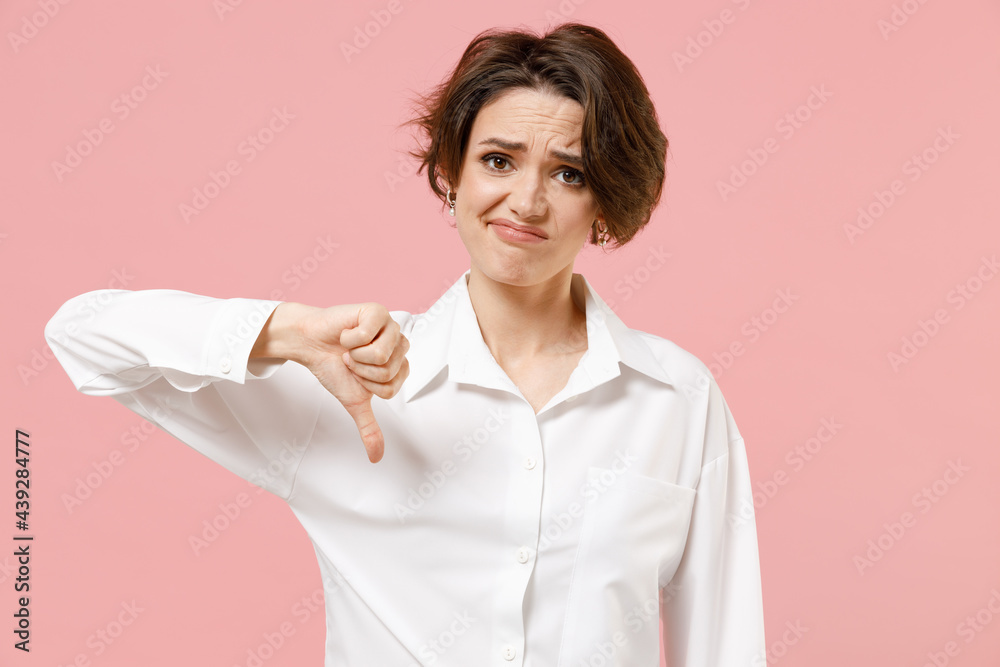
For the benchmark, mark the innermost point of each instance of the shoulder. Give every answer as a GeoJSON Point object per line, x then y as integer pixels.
{"type": "Point", "coordinates": [683, 367]}
{"type": "Point", "coordinates": [693, 380]}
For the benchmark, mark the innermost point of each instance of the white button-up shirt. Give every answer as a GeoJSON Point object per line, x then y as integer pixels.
{"type": "Point", "coordinates": [488, 534]}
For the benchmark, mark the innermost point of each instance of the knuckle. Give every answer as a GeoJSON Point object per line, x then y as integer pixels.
{"type": "Point", "coordinates": [378, 311]}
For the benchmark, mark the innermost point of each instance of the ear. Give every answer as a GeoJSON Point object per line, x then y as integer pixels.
{"type": "Point", "coordinates": [444, 179]}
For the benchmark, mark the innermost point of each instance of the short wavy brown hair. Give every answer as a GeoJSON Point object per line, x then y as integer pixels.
{"type": "Point", "coordinates": [624, 150]}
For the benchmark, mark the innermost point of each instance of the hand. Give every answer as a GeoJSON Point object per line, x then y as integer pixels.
{"type": "Point", "coordinates": [355, 351]}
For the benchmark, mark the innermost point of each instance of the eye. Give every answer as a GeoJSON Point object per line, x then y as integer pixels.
{"type": "Point", "coordinates": [492, 159]}
{"type": "Point", "coordinates": [575, 177]}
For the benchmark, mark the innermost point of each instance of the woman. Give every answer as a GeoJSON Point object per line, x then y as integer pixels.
{"type": "Point", "coordinates": [550, 482]}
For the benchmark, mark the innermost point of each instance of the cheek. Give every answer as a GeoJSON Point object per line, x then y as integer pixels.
{"type": "Point", "coordinates": [480, 193]}
{"type": "Point", "coordinates": [580, 212]}
{"type": "Point", "coordinates": [471, 230]}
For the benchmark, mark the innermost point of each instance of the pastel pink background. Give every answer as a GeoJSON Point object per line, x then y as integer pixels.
{"type": "Point", "coordinates": [325, 174]}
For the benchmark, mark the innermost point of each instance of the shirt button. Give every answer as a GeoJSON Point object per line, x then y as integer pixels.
{"type": "Point", "coordinates": [529, 463]}
{"type": "Point", "coordinates": [509, 652]}
{"type": "Point", "coordinates": [523, 555]}
{"type": "Point", "coordinates": [225, 364]}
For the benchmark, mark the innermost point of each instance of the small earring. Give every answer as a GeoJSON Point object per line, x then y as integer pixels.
{"type": "Point", "coordinates": [451, 203]}
{"type": "Point", "coordinates": [602, 234]}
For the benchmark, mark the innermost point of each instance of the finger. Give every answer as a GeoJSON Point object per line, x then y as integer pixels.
{"type": "Point", "coordinates": [371, 434]}
{"type": "Point", "coordinates": [389, 389]}
{"type": "Point", "coordinates": [381, 348]}
{"type": "Point", "coordinates": [381, 373]}
{"type": "Point", "coordinates": [371, 320]}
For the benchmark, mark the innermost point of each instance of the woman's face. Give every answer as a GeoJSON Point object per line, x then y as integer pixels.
{"type": "Point", "coordinates": [522, 167]}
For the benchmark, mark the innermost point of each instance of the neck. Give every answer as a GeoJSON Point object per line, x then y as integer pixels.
{"type": "Point", "coordinates": [528, 321]}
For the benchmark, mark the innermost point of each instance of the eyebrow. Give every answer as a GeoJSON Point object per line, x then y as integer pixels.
{"type": "Point", "coordinates": [571, 158]}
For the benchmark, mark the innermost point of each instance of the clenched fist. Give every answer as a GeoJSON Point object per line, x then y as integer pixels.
{"type": "Point", "coordinates": [355, 351]}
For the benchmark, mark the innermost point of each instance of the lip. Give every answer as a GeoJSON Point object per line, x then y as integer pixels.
{"type": "Point", "coordinates": [521, 228]}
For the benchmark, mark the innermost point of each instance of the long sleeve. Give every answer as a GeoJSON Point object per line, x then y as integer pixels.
{"type": "Point", "coordinates": [713, 607]}
{"type": "Point", "coordinates": [181, 361]}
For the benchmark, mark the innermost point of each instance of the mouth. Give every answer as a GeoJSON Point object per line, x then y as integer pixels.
{"type": "Point", "coordinates": [517, 230]}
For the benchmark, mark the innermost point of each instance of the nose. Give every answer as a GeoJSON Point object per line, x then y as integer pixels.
{"type": "Point", "coordinates": [527, 196]}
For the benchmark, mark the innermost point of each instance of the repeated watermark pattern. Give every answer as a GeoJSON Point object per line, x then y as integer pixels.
{"type": "Point", "coordinates": [635, 280]}
{"type": "Point", "coordinates": [740, 173]}
{"type": "Point", "coordinates": [39, 359]}
{"type": "Point", "coordinates": [462, 451]}
{"type": "Point", "coordinates": [797, 458]}
{"type": "Point", "coordinates": [590, 491]}
{"type": "Point", "coordinates": [302, 610]}
{"type": "Point", "coordinates": [752, 329]}
{"type": "Point", "coordinates": [99, 472]}
{"type": "Point", "coordinates": [898, 17]}
{"type": "Point", "coordinates": [91, 136]}
{"type": "Point", "coordinates": [103, 638]}
{"type": "Point", "coordinates": [31, 24]}
{"type": "Point", "coordinates": [913, 167]}
{"type": "Point", "coordinates": [435, 648]}
{"type": "Point", "coordinates": [791, 635]}
{"type": "Point", "coordinates": [563, 11]}
{"type": "Point", "coordinates": [366, 33]}
{"type": "Point", "coordinates": [968, 629]}
{"type": "Point", "coordinates": [248, 149]}
{"type": "Point", "coordinates": [635, 619]}
{"type": "Point", "coordinates": [923, 501]}
{"type": "Point", "coordinates": [229, 511]}
{"type": "Point", "coordinates": [712, 30]}
{"type": "Point", "coordinates": [121, 108]}
{"type": "Point", "coordinates": [927, 329]}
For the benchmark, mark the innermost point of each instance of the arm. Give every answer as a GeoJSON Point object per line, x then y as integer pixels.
{"type": "Point", "coordinates": [713, 608]}
{"type": "Point", "coordinates": [118, 342]}
{"type": "Point", "coordinates": [182, 361]}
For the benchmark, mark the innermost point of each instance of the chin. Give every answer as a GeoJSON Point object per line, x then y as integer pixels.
{"type": "Point", "coordinates": [515, 272]}
{"type": "Point", "coordinates": [516, 276]}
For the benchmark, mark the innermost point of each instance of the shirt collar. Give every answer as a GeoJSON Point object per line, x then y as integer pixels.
{"type": "Point", "coordinates": [448, 334]}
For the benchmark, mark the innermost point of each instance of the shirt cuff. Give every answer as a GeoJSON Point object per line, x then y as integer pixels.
{"type": "Point", "coordinates": [234, 333]}
{"type": "Point", "coordinates": [226, 355]}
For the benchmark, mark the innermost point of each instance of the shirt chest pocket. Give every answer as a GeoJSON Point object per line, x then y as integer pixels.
{"type": "Point", "coordinates": [632, 537]}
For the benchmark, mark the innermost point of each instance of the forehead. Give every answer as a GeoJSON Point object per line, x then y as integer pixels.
{"type": "Point", "coordinates": [527, 114]}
